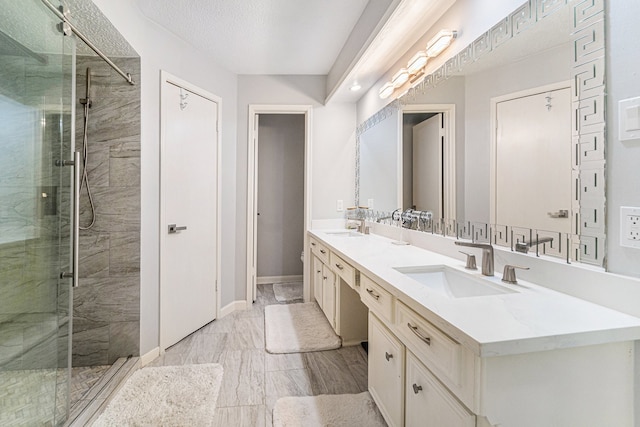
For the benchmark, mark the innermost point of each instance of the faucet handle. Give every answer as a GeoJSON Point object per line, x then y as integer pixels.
{"type": "Point", "coordinates": [471, 261]}
{"type": "Point", "coordinates": [509, 273]}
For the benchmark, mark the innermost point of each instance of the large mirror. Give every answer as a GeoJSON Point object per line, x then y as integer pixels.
{"type": "Point", "coordinates": [517, 124]}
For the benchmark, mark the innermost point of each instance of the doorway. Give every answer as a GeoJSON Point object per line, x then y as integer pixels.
{"type": "Point", "coordinates": [278, 210]}
{"type": "Point", "coordinates": [428, 159]}
{"type": "Point", "coordinates": [189, 209]}
{"type": "Point", "coordinates": [280, 219]}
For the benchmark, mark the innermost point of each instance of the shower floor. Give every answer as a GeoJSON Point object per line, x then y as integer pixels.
{"type": "Point", "coordinates": [82, 379]}
{"type": "Point", "coordinates": [27, 396]}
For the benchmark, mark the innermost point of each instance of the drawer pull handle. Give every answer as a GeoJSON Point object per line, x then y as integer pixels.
{"type": "Point", "coordinates": [373, 294]}
{"type": "Point", "coordinates": [313, 243]}
{"type": "Point", "coordinates": [324, 277]}
{"type": "Point", "coordinates": [322, 251]}
{"type": "Point", "coordinates": [339, 266]}
{"type": "Point", "coordinates": [388, 356]}
{"type": "Point", "coordinates": [415, 330]}
{"type": "Point", "coordinates": [417, 388]}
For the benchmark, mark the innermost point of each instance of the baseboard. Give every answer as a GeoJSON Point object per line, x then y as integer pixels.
{"type": "Point", "coordinates": [231, 307]}
{"type": "Point", "coordinates": [150, 356]}
{"type": "Point", "coordinates": [278, 279]}
{"type": "Point", "coordinates": [352, 343]}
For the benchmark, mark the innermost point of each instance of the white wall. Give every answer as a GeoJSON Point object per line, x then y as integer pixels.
{"type": "Point", "coordinates": [623, 158]}
{"type": "Point", "coordinates": [333, 134]}
{"type": "Point", "coordinates": [161, 50]}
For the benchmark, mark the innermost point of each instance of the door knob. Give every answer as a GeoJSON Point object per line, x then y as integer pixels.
{"type": "Point", "coordinates": [173, 228]}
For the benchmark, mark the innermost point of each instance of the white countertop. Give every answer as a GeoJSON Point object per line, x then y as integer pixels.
{"type": "Point", "coordinates": [532, 319]}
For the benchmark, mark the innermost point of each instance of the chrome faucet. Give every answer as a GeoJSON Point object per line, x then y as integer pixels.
{"type": "Point", "coordinates": [523, 247]}
{"type": "Point", "coordinates": [487, 255]}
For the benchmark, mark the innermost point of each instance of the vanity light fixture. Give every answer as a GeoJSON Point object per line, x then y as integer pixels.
{"type": "Point", "coordinates": [417, 63]}
{"type": "Point", "coordinates": [400, 78]}
{"type": "Point", "coordinates": [386, 90]}
{"type": "Point", "coordinates": [440, 42]}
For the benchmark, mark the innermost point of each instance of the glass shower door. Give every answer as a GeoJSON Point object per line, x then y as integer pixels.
{"type": "Point", "coordinates": [36, 83]}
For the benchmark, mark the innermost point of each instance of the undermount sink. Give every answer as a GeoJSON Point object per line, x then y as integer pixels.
{"type": "Point", "coordinates": [345, 233]}
{"type": "Point", "coordinates": [452, 283]}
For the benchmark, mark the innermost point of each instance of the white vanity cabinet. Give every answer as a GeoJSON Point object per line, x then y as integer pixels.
{"type": "Point", "coordinates": [428, 403]}
{"type": "Point", "coordinates": [329, 295]}
{"type": "Point", "coordinates": [531, 358]}
{"type": "Point", "coordinates": [335, 285]}
{"type": "Point", "coordinates": [316, 266]}
{"type": "Point", "coordinates": [406, 391]}
{"type": "Point", "coordinates": [386, 371]}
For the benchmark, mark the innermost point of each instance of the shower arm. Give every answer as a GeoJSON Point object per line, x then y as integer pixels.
{"type": "Point", "coordinates": [82, 37]}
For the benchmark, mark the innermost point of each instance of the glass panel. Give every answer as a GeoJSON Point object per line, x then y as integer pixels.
{"type": "Point", "coordinates": [36, 64]}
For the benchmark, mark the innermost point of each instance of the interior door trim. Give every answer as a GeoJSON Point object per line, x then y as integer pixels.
{"type": "Point", "coordinates": [252, 163]}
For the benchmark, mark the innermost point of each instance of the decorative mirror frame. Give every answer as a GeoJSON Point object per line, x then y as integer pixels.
{"type": "Point", "coordinates": [587, 241]}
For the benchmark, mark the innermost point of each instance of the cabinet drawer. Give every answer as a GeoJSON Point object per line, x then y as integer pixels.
{"type": "Point", "coordinates": [376, 298]}
{"type": "Point", "coordinates": [343, 269]}
{"type": "Point", "coordinates": [441, 353]}
{"type": "Point", "coordinates": [427, 402]}
{"type": "Point", "coordinates": [319, 250]}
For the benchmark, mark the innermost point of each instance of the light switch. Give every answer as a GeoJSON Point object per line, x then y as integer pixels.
{"type": "Point", "coordinates": [629, 119]}
{"type": "Point", "coordinates": [633, 118]}
{"type": "Point", "coordinates": [339, 206]}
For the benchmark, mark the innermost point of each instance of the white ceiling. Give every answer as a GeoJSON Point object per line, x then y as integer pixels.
{"type": "Point", "coordinates": [261, 36]}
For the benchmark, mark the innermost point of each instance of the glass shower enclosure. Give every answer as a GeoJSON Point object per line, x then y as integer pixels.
{"type": "Point", "coordinates": [36, 119]}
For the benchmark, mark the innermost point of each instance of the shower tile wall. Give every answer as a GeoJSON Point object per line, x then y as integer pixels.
{"type": "Point", "coordinates": [106, 321]}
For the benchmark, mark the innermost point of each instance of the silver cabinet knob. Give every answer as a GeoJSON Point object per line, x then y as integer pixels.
{"type": "Point", "coordinates": [417, 388]}
{"type": "Point", "coordinates": [388, 356]}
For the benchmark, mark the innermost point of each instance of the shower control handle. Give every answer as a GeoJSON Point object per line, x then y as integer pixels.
{"type": "Point", "coordinates": [173, 228]}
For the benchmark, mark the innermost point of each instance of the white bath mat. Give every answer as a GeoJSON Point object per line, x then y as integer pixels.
{"type": "Point", "coordinates": [298, 328]}
{"type": "Point", "coordinates": [337, 410]}
{"type": "Point", "coordinates": [288, 292]}
{"type": "Point", "coordinates": [166, 396]}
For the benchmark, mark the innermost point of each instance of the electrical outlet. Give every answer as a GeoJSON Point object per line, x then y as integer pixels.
{"type": "Point", "coordinates": [339, 206]}
{"type": "Point", "coordinates": [630, 227]}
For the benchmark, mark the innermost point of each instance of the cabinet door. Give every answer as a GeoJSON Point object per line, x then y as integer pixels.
{"type": "Point", "coordinates": [316, 265]}
{"type": "Point", "coordinates": [386, 371]}
{"type": "Point", "coordinates": [428, 403]}
{"type": "Point", "coordinates": [329, 294]}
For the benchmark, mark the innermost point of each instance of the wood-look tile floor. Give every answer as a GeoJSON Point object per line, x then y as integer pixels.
{"type": "Point", "coordinates": [254, 379]}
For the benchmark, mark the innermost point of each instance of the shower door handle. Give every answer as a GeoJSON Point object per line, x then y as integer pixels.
{"type": "Point", "coordinates": [75, 221]}
{"type": "Point", "coordinates": [173, 228]}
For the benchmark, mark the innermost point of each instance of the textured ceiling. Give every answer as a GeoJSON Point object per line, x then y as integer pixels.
{"type": "Point", "coordinates": [32, 25]}
{"type": "Point", "coordinates": [261, 36]}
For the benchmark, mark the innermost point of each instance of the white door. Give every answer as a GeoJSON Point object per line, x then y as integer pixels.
{"type": "Point", "coordinates": [189, 193]}
{"type": "Point", "coordinates": [427, 166]}
{"type": "Point", "coordinates": [533, 161]}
